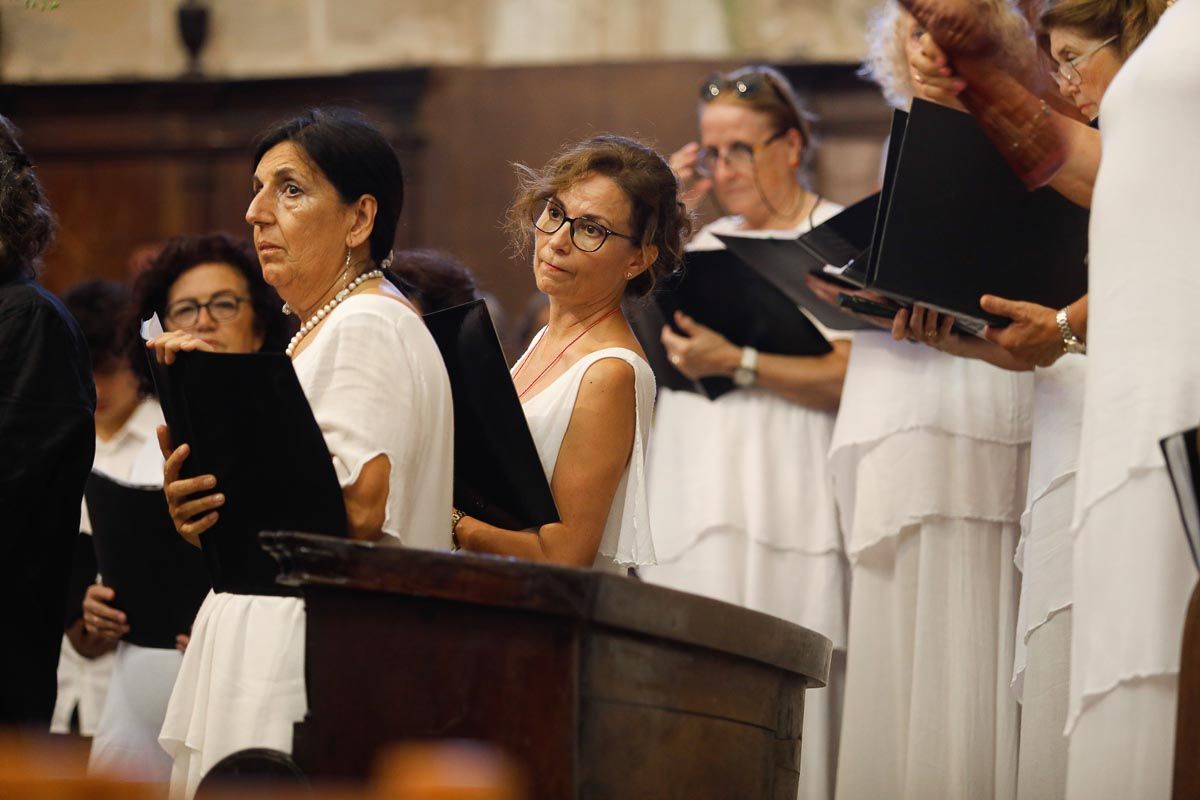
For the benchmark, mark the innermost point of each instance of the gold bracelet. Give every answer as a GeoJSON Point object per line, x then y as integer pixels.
{"type": "Point", "coordinates": [455, 518]}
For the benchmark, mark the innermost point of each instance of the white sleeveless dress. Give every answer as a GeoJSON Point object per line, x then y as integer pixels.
{"type": "Point", "coordinates": [377, 385]}
{"type": "Point", "coordinates": [743, 511]}
{"type": "Point", "coordinates": [1133, 574]}
{"type": "Point", "coordinates": [929, 460]}
{"type": "Point", "coordinates": [627, 541]}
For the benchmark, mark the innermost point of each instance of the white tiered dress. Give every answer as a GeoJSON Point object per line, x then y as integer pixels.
{"type": "Point", "coordinates": [627, 541]}
{"type": "Point", "coordinates": [743, 511]}
{"type": "Point", "coordinates": [1041, 665]}
{"type": "Point", "coordinates": [377, 385]}
{"type": "Point", "coordinates": [929, 459]}
{"type": "Point", "coordinates": [1133, 573]}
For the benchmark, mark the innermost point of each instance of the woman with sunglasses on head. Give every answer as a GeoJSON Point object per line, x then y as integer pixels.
{"type": "Point", "coordinates": [929, 457]}
{"type": "Point", "coordinates": [1126, 567]}
{"type": "Point", "coordinates": [740, 495]}
{"type": "Point", "coordinates": [209, 287]}
{"type": "Point", "coordinates": [607, 224]}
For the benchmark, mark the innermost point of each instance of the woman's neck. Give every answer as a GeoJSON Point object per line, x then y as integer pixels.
{"type": "Point", "coordinates": [306, 307]}
{"type": "Point", "coordinates": [794, 213]}
{"type": "Point", "coordinates": [569, 320]}
{"type": "Point", "coordinates": [110, 425]}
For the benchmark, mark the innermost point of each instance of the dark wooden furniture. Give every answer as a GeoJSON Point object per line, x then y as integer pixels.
{"type": "Point", "coordinates": [600, 686]}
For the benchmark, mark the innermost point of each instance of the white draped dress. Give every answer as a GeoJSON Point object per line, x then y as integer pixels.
{"type": "Point", "coordinates": [1041, 665]}
{"type": "Point", "coordinates": [1133, 574]}
{"type": "Point", "coordinates": [930, 458]}
{"type": "Point", "coordinates": [377, 386]}
{"type": "Point", "coordinates": [627, 541]}
{"type": "Point", "coordinates": [743, 511]}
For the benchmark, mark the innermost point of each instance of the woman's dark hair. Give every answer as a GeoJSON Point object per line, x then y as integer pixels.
{"type": "Point", "coordinates": [434, 280]}
{"type": "Point", "coordinates": [26, 221]}
{"type": "Point", "coordinates": [657, 215]}
{"type": "Point", "coordinates": [354, 156]}
{"type": "Point", "coordinates": [99, 306]}
{"type": "Point", "coordinates": [179, 255]}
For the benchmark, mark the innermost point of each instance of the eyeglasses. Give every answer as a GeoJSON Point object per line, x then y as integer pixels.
{"type": "Point", "coordinates": [739, 156]}
{"type": "Point", "coordinates": [222, 307]}
{"type": "Point", "coordinates": [587, 234]}
{"type": "Point", "coordinates": [1068, 71]}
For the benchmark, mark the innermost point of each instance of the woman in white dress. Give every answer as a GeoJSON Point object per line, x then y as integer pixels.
{"type": "Point", "coordinates": [606, 224]}
{"type": "Point", "coordinates": [212, 288]}
{"type": "Point", "coordinates": [1085, 39]}
{"type": "Point", "coordinates": [1130, 592]}
{"type": "Point", "coordinates": [929, 460]}
{"type": "Point", "coordinates": [740, 495]}
{"type": "Point", "coordinates": [327, 196]}
{"type": "Point", "coordinates": [124, 423]}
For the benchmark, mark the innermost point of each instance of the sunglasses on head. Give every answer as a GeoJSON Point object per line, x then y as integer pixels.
{"type": "Point", "coordinates": [745, 86]}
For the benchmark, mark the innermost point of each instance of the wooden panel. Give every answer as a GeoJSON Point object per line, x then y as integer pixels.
{"type": "Point", "coordinates": [383, 668]}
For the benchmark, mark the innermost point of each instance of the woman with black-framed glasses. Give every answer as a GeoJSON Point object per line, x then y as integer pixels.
{"type": "Point", "coordinates": [209, 286]}
{"type": "Point", "coordinates": [741, 500]}
{"type": "Point", "coordinates": [606, 224]}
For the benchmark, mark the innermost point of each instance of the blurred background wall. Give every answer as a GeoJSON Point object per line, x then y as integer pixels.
{"type": "Point", "coordinates": [136, 140]}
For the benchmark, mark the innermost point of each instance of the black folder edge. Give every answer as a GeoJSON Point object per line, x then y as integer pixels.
{"type": "Point", "coordinates": [715, 387]}
{"type": "Point", "coordinates": [137, 635]}
{"type": "Point", "coordinates": [1183, 465]}
{"type": "Point", "coordinates": [746, 248]}
{"type": "Point", "coordinates": [503, 410]}
{"type": "Point", "coordinates": [972, 322]}
{"type": "Point", "coordinates": [174, 402]}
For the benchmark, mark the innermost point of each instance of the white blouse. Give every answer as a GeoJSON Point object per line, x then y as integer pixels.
{"type": "Point", "coordinates": [627, 541]}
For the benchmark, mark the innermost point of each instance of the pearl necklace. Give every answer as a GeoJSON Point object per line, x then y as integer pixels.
{"type": "Point", "coordinates": [324, 310]}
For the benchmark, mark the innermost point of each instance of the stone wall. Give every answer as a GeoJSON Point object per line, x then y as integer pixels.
{"type": "Point", "coordinates": [102, 40]}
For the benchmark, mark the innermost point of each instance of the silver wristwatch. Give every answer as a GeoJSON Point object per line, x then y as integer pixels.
{"type": "Point", "coordinates": [747, 371]}
{"type": "Point", "coordinates": [1072, 345]}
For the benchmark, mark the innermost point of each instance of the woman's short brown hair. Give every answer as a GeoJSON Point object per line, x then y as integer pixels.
{"type": "Point", "coordinates": [1129, 20]}
{"type": "Point", "coordinates": [657, 217]}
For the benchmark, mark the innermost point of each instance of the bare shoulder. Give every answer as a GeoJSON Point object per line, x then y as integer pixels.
{"type": "Point", "coordinates": [608, 377]}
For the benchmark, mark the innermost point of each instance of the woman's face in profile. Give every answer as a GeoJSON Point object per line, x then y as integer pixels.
{"type": "Point", "coordinates": [740, 182]}
{"type": "Point", "coordinates": [300, 222]}
{"type": "Point", "coordinates": [222, 287]}
{"type": "Point", "coordinates": [561, 268]}
{"type": "Point", "coordinates": [1096, 71]}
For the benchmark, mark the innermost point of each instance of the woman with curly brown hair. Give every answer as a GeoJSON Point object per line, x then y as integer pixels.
{"type": "Point", "coordinates": [47, 440]}
{"type": "Point", "coordinates": [607, 224]}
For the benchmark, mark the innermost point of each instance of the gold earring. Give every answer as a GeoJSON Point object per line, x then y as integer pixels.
{"type": "Point", "coordinates": [628, 276]}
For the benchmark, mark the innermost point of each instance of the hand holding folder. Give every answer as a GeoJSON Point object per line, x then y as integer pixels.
{"type": "Point", "coordinates": [159, 580]}
{"type": "Point", "coordinates": [247, 422]}
{"type": "Point", "coordinates": [721, 292]}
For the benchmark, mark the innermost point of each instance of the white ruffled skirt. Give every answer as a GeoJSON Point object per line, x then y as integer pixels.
{"type": "Point", "coordinates": [241, 684]}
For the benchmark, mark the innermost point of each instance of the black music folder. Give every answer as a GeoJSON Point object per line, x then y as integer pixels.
{"type": "Point", "coordinates": [249, 424]}
{"type": "Point", "coordinates": [83, 575]}
{"type": "Point", "coordinates": [159, 579]}
{"type": "Point", "coordinates": [721, 292]}
{"type": "Point", "coordinates": [498, 476]}
{"type": "Point", "coordinates": [1182, 454]}
{"type": "Point", "coordinates": [647, 320]}
{"type": "Point", "coordinates": [835, 243]}
{"type": "Point", "coordinates": [956, 223]}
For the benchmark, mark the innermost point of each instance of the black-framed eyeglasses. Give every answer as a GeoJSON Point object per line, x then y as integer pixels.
{"type": "Point", "coordinates": [587, 234]}
{"type": "Point", "coordinates": [738, 155]}
{"type": "Point", "coordinates": [222, 307]}
{"type": "Point", "coordinates": [1068, 71]}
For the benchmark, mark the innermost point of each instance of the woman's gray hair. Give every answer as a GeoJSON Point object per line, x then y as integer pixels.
{"type": "Point", "coordinates": [887, 31]}
{"type": "Point", "coordinates": [26, 222]}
